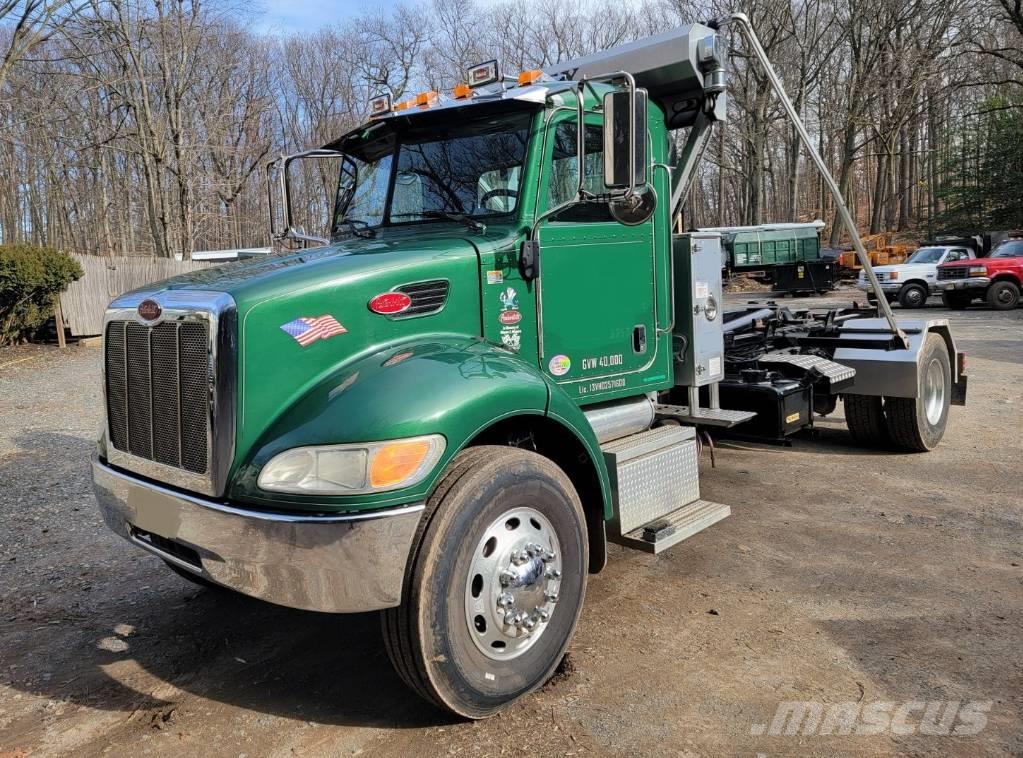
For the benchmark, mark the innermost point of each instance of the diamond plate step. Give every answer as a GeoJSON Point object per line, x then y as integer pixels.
{"type": "Point", "coordinates": [720, 417]}
{"type": "Point", "coordinates": [837, 374]}
{"type": "Point", "coordinates": [674, 527]}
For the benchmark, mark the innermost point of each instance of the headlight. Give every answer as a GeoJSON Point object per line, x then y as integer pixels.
{"type": "Point", "coordinates": [978, 271]}
{"type": "Point", "coordinates": [352, 469]}
{"type": "Point", "coordinates": [893, 275]}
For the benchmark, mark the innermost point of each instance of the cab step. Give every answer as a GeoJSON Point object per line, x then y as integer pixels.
{"type": "Point", "coordinates": [678, 525]}
{"type": "Point", "coordinates": [719, 417]}
{"type": "Point", "coordinates": [655, 484]}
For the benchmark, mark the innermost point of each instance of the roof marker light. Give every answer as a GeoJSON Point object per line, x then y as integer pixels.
{"type": "Point", "coordinates": [380, 105]}
{"type": "Point", "coordinates": [426, 99]}
{"type": "Point", "coordinates": [528, 77]}
{"type": "Point", "coordinates": [462, 91]}
{"type": "Point", "coordinates": [483, 73]}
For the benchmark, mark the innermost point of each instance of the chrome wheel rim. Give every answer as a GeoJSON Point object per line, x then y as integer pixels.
{"type": "Point", "coordinates": [1004, 296]}
{"type": "Point", "coordinates": [512, 588]}
{"type": "Point", "coordinates": [915, 296]}
{"type": "Point", "coordinates": [934, 392]}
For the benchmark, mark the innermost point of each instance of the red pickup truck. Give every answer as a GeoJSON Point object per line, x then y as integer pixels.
{"type": "Point", "coordinates": [998, 278]}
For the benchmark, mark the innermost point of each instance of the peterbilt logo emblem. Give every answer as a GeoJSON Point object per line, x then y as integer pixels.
{"type": "Point", "coordinates": [149, 310]}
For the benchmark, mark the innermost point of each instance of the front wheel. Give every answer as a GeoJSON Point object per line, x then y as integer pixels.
{"type": "Point", "coordinates": [495, 582]}
{"type": "Point", "coordinates": [1003, 296]}
{"type": "Point", "coordinates": [913, 296]}
{"type": "Point", "coordinates": [957, 301]}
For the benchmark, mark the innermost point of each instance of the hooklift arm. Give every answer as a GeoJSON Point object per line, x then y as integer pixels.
{"type": "Point", "coordinates": [884, 309]}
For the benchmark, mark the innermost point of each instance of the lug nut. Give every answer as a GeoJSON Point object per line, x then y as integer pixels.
{"type": "Point", "coordinates": [552, 597]}
{"type": "Point", "coordinates": [553, 574]}
{"type": "Point", "coordinates": [505, 600]}
{"type": "Point", "coordinates": [506, 577]}
{"type": "Point", "coordinates": [518, 557]}
{"type": "Point", "coordinates": [529, 624]}
{"type": "Point", "coordinates": [543, 613]}
{"type": "Point", "coordinates": [548, 556]}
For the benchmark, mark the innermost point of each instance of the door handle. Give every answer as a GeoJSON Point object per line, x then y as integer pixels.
{"type": "Point", "coordinates": [639, 339]}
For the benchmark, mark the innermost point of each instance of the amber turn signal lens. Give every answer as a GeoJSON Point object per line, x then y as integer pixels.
{"type": "Point", "coordinates": [528, 77]}
{"type": "Point", "coordinates": [426, 99]}
{"type": "Point", "coordinates": [462, 91]}
{"type": "Point", "coordinates": [394, 463]}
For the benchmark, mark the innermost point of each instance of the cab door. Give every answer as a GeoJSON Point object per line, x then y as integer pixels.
{"type": "Point", "coordinates": [597, 286]}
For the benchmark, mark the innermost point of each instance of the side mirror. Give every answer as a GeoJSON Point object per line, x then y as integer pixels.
{"type": "Point", "coordinates": [283, 228]}
{"type": "Point", "coordinates": [625, 134]}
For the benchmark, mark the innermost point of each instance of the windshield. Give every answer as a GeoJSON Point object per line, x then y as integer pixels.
{"type": "Point", "coordinates": [396, 174]}
{"type": "Point", "coordinates": [927, 255]}
{"type": "Point", "coordinates": [1009, 249]}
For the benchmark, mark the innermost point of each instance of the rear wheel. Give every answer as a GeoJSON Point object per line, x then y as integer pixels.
{"type": "Point", "coordinates": [917, 424]}
{"type": "Point", "coordinates": [495, 582]}
{"type": "Point", "coordinates": [957, 301]}
{"type": "Point", "coordinates": [913, 295]}
{"type": "Point", "coordinates": [864, 415]}
{"type": "Point", "coordinates": [1003, 296]}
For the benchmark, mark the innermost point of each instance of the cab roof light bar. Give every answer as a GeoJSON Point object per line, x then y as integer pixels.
{"type": "Point", "coordinates": [488, 72]}
{"type": "Point", "coordinates": [380, 105]}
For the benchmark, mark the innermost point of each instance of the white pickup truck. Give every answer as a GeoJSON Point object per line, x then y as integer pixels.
{"type": "Point", "coordinates": [912, 282]}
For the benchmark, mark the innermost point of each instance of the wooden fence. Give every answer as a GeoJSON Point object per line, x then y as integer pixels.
{"type": "Point", "coordinates": [104, 279]}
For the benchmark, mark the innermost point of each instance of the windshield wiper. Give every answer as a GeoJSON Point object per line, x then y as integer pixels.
{"type": "Point", "coordinates": [462, 218]}
{"type": "Point", "coordinates": [359, 228]}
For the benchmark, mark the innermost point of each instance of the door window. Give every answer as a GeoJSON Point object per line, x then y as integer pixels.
{"type": "Point", "coordinates": [564, 176]}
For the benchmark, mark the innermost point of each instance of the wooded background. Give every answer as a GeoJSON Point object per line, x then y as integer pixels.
{"type": "Point", "coordinates": [141, 127]}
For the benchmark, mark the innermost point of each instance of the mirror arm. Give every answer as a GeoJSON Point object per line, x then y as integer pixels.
{"type": "Point", "coordinates": [284, 162]}
{"type": "Point", "coordinates": [684, 174]}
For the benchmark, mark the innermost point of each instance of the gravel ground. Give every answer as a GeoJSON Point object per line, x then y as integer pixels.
{"type": "Point", "coordinates": [843, 576]}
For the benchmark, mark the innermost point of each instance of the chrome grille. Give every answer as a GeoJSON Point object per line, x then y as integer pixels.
{"type": "Point", "coordinates": [170, 387]}
{"type": "Point", "coordinates": [953, 272]}
{"type": "Point", "coordinates": [427, 297]}
{"type": "Point", "coordinates": [158, 391]}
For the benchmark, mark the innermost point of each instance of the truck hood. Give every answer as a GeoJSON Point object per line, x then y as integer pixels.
{"type": "Point", "coordinates": [275, 297]}
{"type": "Point", "coordinates": [906, 270]}
{"type": "Point", "coordinates": [400, 248]}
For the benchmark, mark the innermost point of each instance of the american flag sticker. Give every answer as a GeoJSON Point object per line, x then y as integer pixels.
{"type": "Point", "coordinates": [307, 330]}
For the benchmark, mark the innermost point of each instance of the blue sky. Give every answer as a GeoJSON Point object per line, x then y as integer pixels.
{"type": "Point", "coordinates": [309, 15]}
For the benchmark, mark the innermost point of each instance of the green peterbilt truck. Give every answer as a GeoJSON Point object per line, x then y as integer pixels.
{"type": "Point", "coordinates": [502, 358]}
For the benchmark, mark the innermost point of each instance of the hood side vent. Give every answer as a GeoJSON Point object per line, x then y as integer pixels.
{"type": "Point", "coordinates": [427, 297]}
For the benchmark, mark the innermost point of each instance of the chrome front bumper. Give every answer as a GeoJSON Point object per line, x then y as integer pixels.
{"type": "Point", "coordinates": [343, 563]}
{"type": "Point", "coordinates": [973, 283]}
{"type": "Point", "coordinates": [889, 288]}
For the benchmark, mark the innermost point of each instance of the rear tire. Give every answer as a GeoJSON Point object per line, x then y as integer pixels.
{"type": "Point", "coordinates": [917, 424]}
{"type": "Point", "coordinates": [503, 535]}
{"type": "Point", "coordinates": [957, 301]}
{"type": "Point", "coordinates": [913, 296]}
{"type": "Point", "coordinates": [864, 415]}
{"type": "Point", "coordinates": [1003, 296]}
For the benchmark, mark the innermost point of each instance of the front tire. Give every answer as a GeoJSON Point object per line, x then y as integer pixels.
{"type": "Point", "coordinates": [495, 582]}
{"type": "Point", "coordinates": [957, 301]}
{"type": "Point", "coordinates": [913, 296]}
{"type": "Point", "coordinates": [1003, 296]}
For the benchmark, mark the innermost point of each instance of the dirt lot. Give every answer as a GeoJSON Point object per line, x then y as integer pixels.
{"type": "Point", "coordinates": [843, 576]}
